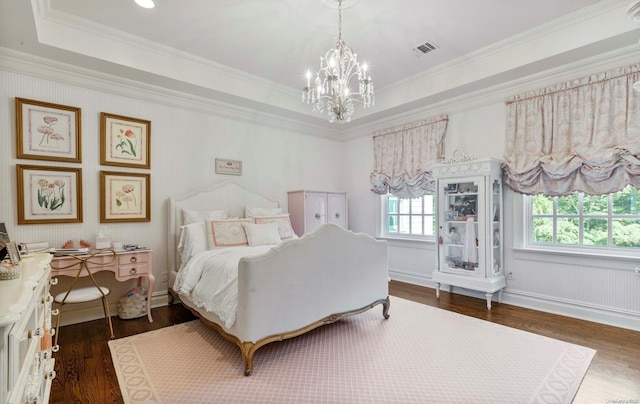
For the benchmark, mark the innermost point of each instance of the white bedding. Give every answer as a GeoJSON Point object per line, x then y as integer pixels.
{"type": "Point", "coordinates": [210, 279]}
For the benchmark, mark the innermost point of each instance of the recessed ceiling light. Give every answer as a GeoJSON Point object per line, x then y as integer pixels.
{"type": "Point", "coordinates": [145, 3]}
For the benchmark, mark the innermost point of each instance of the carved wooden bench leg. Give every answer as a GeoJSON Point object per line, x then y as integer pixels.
{"type": "Point", "coordinates": [248, 350]}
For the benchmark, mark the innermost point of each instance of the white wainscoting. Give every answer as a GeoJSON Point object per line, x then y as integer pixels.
{"type": "Point", "coordinates": [582, 309]}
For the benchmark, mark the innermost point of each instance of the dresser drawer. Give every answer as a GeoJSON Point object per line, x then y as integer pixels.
{"type": "Point", "coordinates": [133, 258]}
{"type": "Point", "coordinates": [24, 342]}
{"type": "Point", "coordinates": [132, 270]}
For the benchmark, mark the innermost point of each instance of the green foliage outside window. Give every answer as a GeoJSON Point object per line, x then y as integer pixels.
{"type": "Point", "coordinates": [587, 220]}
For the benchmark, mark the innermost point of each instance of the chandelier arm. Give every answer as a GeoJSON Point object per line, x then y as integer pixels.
{"type": "Point", "coordinates": [338, 68]}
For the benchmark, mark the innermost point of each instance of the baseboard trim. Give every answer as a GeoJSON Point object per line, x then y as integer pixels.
{"type": "Point", "coordinates": [597, 314]}
{"type": "Point", "coordinates": [75, 316]}
{"type": "Point", "coordinates": [412, 278]}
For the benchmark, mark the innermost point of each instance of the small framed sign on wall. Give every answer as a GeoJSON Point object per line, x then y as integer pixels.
{"type": "Point", "coordinates": [229, 167]}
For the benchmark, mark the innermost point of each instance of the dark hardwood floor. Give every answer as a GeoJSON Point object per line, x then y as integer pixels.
{"type": "Point", "coordinates": [85, 372]}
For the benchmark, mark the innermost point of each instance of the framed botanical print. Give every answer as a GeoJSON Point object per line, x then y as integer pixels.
{"type": "Point", "coordinates": [49, 194]}
{"type": "Point", "coordinates": [124, 141]}
{"type": "Point", "coordinates": [125, 197]}
{"type": "Point", "coordinates": [47, 131]}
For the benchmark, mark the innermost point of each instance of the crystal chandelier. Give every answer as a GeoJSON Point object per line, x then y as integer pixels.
{"type": "Point", "coordinates": [331, 92]}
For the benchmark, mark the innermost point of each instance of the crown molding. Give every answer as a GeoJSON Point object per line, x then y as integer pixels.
{"type": "Point", "coordinates": [66, 31]}
{"type": "Point", "coordinates": [592, 12]}
{"type": "Point", "coordinates": [47, 69]}
{"type": "Point", "coordinates": [252, 95]}
{"type": "Point", "coordinates": [500, 93]}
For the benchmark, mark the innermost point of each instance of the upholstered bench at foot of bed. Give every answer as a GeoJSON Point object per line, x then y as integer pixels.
{"type": "Point", "coordinates": [248, 349]}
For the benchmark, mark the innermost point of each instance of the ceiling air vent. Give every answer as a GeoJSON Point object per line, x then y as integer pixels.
{"type": "Point", "coordinates": [424, 48]}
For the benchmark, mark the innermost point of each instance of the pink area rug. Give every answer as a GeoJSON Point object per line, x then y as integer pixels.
{"type": "Point", "coordinates": [420, 355]}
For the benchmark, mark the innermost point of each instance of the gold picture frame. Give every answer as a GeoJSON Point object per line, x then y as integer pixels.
{"type": "Point", "coordinates": [125, 141]}
{"type": "Point", "coordinates": [49, 194]}
{"type": "Point", "coordinates": [47, 131]}
{"type": "Point", "coordinates": [125, 197]}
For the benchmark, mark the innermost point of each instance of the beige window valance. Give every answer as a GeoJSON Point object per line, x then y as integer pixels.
{"type": "Point", "coordinates": [404, 155]}
{"type": "Point", "coordinates": [582, 135]}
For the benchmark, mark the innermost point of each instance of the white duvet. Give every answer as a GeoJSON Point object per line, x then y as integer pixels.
{"type": "Point", "coordinates": [210, 279]}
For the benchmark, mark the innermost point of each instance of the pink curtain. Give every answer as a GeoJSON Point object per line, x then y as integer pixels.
{"type": "Point", "coordinates": [403, 157]}
{"type": "Point", "coordinates": [582, 135]}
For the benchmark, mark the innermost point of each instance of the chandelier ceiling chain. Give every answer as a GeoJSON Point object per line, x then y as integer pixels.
{"type": "Point", "coordinates": [338, 68]}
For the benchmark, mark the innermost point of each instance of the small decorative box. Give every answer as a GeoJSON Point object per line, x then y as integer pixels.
{"type": "Point", "coordinates": [9, 272]}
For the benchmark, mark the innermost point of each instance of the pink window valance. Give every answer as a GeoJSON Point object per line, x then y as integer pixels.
{"type": "Point", "coordinates": [582, 135]}
{"type": "Point", "coordinates": [404, 155]}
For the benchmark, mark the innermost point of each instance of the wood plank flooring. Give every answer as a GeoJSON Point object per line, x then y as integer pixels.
{"type": "Point", "coordinates": [85, 372]}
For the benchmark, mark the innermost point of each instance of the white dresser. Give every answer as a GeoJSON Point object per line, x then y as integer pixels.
{"type": "Point", "coordinates": [310, 209]}
{"type": "Point", "coordinates": [26, 359]}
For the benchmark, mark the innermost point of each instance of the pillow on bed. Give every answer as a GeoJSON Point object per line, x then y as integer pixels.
{"type": "Point", "coordinates": [191, 216]}
{"type": "Point", "coordinates": [253, 212]}
{"type": "Point", "coordinates": [262, 234]}
{"type": "Point", "coordinates": [284, 224]}
{"type": "Point", "coordinates": [226, 233]}
{"type": "Point", "coordinates": [193, 239]}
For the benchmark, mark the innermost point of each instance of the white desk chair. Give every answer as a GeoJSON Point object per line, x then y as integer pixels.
{"type": "Point", "coordinates": [87, 294]}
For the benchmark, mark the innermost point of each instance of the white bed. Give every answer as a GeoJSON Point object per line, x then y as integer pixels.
{"type": "Point", "coordinates": [292, 288]}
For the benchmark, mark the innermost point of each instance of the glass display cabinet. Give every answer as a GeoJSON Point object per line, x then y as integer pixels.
{"type": "Point", "coordinates": [469, 222]}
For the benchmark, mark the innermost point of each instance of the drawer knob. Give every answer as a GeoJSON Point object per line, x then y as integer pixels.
{"type": "Point", "coordinates": [337, 215]}
{"type": "Point", "coordinates": [133, 259]}
{"type": "Point", "coordinates": [132, 271]}
{"type": "Point", "coordinates": [317, 216]}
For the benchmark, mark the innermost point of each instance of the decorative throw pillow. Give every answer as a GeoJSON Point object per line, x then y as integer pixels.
{"type": "Point", "coordinates": [262, 234]}
{"type": "Point", "coordinates": [284, 224]}
{"type": "Point", "coordinates": [193, 239]}
{"type": "Point", "coordinates": [253, 212]}
{"type": "Point", "coordinates": [226, 233]}
{"type": "Point", "coordinates": [191, 216]}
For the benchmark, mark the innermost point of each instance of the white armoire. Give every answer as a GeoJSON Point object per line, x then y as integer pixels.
{"type": "Point", "coordinates": [310, 209]}
{"type": "Point", "coordinates": [469, 199]}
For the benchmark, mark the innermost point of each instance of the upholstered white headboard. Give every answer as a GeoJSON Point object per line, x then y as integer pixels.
{"type": "Point", "coordinates": [224, 195]}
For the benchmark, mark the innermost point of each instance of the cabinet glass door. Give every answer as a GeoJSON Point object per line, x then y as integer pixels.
{"type": "Point", "coordinates": [459, 235]}
{"type": "Point", "coordinates": [496, 228]}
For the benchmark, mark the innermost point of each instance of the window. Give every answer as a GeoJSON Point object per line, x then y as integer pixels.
{"type": "Point", "coordinates": [586, 221]}
{"type": "Point", "coordinates": [408, 217]}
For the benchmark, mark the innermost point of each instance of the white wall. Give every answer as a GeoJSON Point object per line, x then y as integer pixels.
{"type": "Point", "coordinates": [594, 288]}
{"type": "Point", "coordinates": [184, 144]}
{"type": "Point", "coordinates": [186, 137]}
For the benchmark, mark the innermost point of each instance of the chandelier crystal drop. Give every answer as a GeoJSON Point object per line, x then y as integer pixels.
{"type": "Point", "coordinates": [331, 92]}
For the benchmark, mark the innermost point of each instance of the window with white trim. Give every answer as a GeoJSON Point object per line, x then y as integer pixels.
{"type": "Point", "coordinates": [581, 221]}
{"type": "Point", "coordinates": [411, 218]}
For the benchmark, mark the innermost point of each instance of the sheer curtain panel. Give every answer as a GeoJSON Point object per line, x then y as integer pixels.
{"type": "Point", "coordinates": [403, 157]}
{"type": "Point", "coordinates": [582, 135]}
